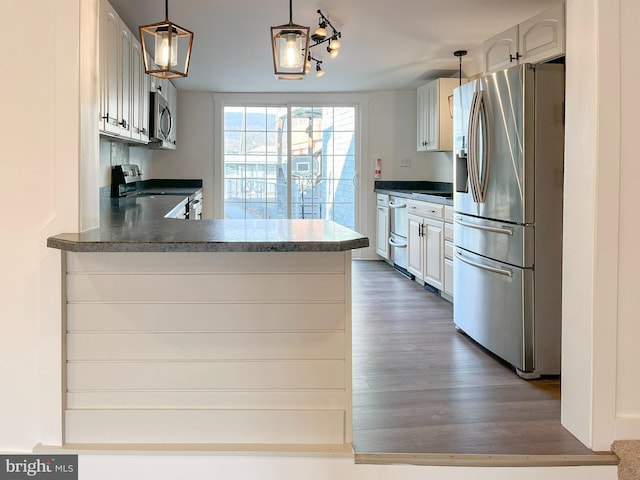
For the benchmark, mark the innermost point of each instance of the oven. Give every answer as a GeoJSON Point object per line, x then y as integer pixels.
{"type": "Point", "coordinates": [195, 206]}
{"type": "Point", "coordinates": [398, 233]}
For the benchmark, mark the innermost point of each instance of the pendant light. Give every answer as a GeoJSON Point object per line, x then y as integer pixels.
{"type": "Point", "coordinates": [166, 48]}
{"type": "Point", "coordinates": [290, 44]}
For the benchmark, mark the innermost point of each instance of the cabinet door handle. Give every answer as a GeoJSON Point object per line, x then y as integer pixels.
{"type": "Point", "coordinates": [123, 123]}
{"type": "Point", "coordinates": [111, 120]}
{"type": "Point", "coordinates": [516, 57]}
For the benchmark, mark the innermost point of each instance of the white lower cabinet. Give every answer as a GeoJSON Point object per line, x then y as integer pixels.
{"type": "Point", "coordinates": [415, 247]}
{"type": "Point", "coordinates": [434, 252]}
{"type": "Point", "coordinates": [382, 226]}
{"type": "Point", "coordinates": [425, 242]}
{"type": "Point", "coordinates": [448, 254]}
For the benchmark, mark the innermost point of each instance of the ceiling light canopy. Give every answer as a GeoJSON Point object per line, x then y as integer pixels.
{"type": "Point", "coordinates": [292, 50]}
{"type": "Point", "coordinates": [166, 48]}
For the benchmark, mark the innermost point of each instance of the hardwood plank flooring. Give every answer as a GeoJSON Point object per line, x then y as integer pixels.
{"type": "Point", "coordinates": [420, 386]}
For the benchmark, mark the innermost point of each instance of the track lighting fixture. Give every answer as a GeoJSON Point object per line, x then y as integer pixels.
{"type": "Point", "coordinates": [292, 49]}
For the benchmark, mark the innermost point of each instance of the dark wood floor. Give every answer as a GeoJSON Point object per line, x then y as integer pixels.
{"type": "Point", "coordinates": [419, 386]}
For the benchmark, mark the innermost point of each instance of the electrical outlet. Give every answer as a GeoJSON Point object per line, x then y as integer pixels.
{"type": "Point", "coordinates": [405, 162]}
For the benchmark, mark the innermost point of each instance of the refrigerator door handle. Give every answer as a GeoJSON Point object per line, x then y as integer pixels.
{"type": "Point", "coordinates": [500, 271]}
{"type": "Point", "coordinates": [486, 148]}
{"type": "Point", "coordinates": [505, 230]}
{"type": "Point", "coordinates": [478, 130]}
{"type": "Point", "coordinates": [473, 145]}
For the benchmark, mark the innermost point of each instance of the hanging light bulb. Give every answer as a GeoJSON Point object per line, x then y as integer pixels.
{"type": "Point", "coordinates": [335, 44]}
{"type": "Point", "coordinates": [290, 50]}
{"type": "Point", "coordinates": [319, 71]}
{"type": "Point", "coordinates": [166, 52]}
{"type": "Point", "coordinates": [333, 53]}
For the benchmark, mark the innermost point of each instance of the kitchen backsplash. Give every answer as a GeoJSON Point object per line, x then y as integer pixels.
{"type": "Point", "coordinates": [117, 153]}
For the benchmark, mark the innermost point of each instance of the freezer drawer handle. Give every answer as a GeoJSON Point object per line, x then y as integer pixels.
{"type": "Point", "coordinates": [393, 243]}
{"type": "Point", "coordinates": [499, 271]}
{"type": "Point", "coordinates": [505, 230]}
{"type": "Point", "coordinates": [397, 205]}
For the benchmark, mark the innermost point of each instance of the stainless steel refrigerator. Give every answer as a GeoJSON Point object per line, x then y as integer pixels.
{"type": "Point", "coordinates": [508, 178]}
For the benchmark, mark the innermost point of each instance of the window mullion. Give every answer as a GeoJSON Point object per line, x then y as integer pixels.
{"type": "Point", "coordinates": [289, 176]}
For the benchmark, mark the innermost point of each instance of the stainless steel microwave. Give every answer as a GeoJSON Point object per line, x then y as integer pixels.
{"type": "Point", "coordinates": [161, 122]}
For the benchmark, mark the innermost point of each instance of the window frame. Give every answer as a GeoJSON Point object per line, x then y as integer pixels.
{"type": "Point", "coordinates": [358, 100]}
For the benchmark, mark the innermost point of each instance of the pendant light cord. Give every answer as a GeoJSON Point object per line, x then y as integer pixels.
{"type": "Point", "coordinates": [166, 10]}
{"type": "Point", "coordinates": [460, 54]}
{"type": "Point", "coordinates": [290, 12]}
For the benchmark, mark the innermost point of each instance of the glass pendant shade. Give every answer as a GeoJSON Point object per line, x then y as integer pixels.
{"type": "Point", "coordinates": [290, 49]}
{"type": "Point", "coordinates": [166, 49]}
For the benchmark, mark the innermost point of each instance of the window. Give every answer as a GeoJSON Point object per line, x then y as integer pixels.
{"type": "Point", "coordinates": [290, 162]}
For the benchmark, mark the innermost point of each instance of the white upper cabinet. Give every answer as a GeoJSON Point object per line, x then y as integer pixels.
{"type": "Point", "coordinates": [124, 93]}
{"type": "Point", "coordinates": [543, 36]}
{"type": "Point", "coordinates": [109, 68]}
{"type": "Point", "coordinates": [435, 124]}
{"type": "Point", "coordinates": [501, 50]}
{"type": "Point", "coordinates": [140, 84]}
{"type": "Point", "coordinates": [124, 88]}
{"type": "Point", "coordinates": [535, 40]}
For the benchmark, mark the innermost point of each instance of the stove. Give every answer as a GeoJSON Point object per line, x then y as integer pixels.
{"type": "Point", "coordinates": [127, 182]}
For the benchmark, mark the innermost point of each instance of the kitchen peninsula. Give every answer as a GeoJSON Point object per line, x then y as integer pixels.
{"type": "Point", "coordinates": [208, 332]}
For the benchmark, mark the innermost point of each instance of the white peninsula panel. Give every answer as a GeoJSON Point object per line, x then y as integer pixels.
{"type": "Point", "coordinates": [208, 348]}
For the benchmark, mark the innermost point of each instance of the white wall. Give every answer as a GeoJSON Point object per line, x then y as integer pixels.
{"type": "Point", "coordinates": [39, 151]}
{"type": "Point", "coordinates": [601, 393]}
{"type": "Point", "coordinates": [193, 159]}
{"type": "Point", "coordinates": [392, 137]}
{"type": "Point", "coordinates": [628, 298]}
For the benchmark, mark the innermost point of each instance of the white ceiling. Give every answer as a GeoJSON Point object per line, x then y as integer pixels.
{"type": "Point", "coordinates": [386, 44]}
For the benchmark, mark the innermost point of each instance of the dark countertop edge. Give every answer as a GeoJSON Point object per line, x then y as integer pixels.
{"type": "Point", "coordinates": [423, 197]}
{"type": "Point", "coordinates": [190, 247]}
{"type": "Point", "coordinates": [412, 185]}
{"type": "Point", "coordinates": [170, 183]}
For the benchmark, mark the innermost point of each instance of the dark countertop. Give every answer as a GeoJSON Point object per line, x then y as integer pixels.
{"type": "Point", "coordinates": [137, 224]}
{"type": "Point", "coordinates": [434, 192]}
